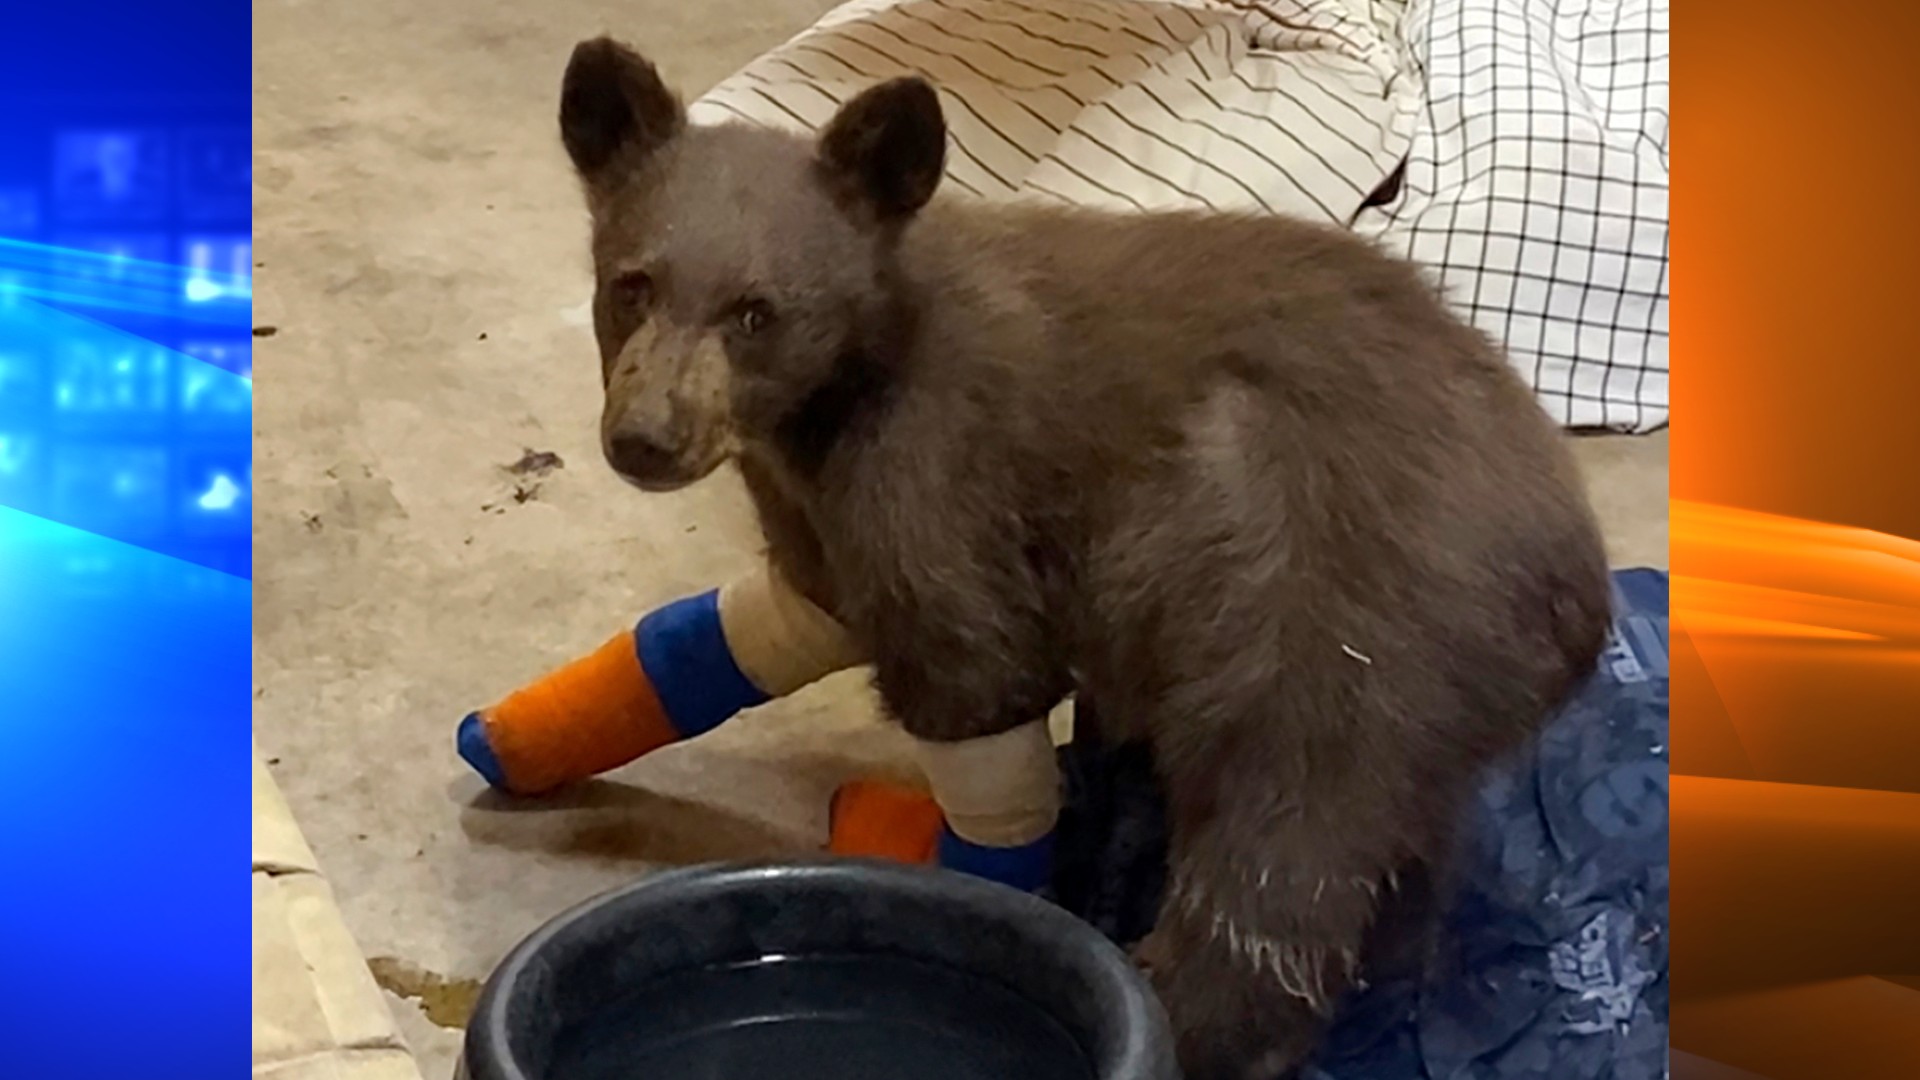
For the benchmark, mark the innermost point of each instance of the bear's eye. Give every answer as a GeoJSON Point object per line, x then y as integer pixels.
{"type": "Point", "coordinates": [752, 315]}
{"type": "Point", "coordinates": [632, 290]}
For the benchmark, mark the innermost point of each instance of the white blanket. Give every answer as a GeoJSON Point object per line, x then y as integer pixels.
{"type": "Point", "coordinates": [1539, 212]}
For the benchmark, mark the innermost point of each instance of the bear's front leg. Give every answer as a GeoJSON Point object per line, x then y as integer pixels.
{"type": "Point", "coordinates": [979, 721]}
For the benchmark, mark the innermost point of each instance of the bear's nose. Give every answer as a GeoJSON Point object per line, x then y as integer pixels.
{"type": "Point", "coordinates": [640, 457]}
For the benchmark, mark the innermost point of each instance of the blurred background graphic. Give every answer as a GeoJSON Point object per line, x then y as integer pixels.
{"type": "Point", "coordinates": [126, 396]}
{"type": "Point", "coordinates": [126, 372]}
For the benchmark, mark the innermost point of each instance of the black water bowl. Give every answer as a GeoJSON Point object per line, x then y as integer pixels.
{"type": "Point", "coordinates": [842, 970]}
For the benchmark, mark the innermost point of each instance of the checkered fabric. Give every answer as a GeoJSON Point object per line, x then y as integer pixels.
{"type": "Point", "coordinates": [1535, 187]}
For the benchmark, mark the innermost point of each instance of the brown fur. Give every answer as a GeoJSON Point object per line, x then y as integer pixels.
{"type": "Point", "coordinates": [1243, 479]}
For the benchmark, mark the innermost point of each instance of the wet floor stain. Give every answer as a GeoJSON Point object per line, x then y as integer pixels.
{"type": "Point", "coordinates": [447, 1002]}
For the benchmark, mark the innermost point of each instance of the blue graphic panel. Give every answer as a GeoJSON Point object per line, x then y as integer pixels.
{"type": "Point", "coordinates": [125, 488]}
{"type": "Point", "coordinates": [126, 908]}
{"type": "Point", "coordinates": [216, 174]}
{"type": "Point", "coordinates": [115, 434]}
{"type": "Point", "coordinates": [111, 175]}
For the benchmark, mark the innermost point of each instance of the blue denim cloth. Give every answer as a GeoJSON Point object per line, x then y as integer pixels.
{"type": "Point", "coordinates": [1553, 960]}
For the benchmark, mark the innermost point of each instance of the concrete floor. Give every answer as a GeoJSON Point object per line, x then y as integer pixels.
{"type": "Point", "coordinates": [423, 263]}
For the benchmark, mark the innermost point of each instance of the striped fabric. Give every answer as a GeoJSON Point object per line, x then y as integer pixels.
{"type": "Point", "coordinates": [1115, 104]}
{"type": "Point", "coordinates": [1317, 108]}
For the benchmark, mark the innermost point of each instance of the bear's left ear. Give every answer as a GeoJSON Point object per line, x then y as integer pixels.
{"type": "Point", "coordinates": [884, 149]}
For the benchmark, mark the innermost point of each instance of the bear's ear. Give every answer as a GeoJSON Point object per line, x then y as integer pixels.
{"type": "Point", "coordinates": [885, 148]}
{"type": "Point", "coordinates": [613, 108]}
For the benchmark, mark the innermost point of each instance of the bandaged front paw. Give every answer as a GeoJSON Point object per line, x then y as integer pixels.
{"type": "Point", "coordinates": [991, 813]}
{"type": "Point", "coordinates": [685, 669]}
{"type": "Point", "coordinates": [1000, 798]}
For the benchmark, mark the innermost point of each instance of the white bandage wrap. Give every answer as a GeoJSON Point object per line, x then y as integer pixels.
{"type": "Point", "coordinates": [998, 791]}
{"type": "Point", "coordinates": [779, 639]}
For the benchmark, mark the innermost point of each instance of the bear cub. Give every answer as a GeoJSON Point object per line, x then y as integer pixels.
{"type": "Point", "coordinates": [1242, 480]}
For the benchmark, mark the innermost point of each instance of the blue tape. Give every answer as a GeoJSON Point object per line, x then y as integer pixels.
{"type": "Point", "coordinates": [1027, 867]}
{"type": "Point", "coordinates": [470, 739]}
{"type": "Point", "coordinates": [685, 655]}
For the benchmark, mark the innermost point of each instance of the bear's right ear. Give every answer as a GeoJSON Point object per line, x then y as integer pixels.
{"type": "Point", "coordinates": [613, 108]}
